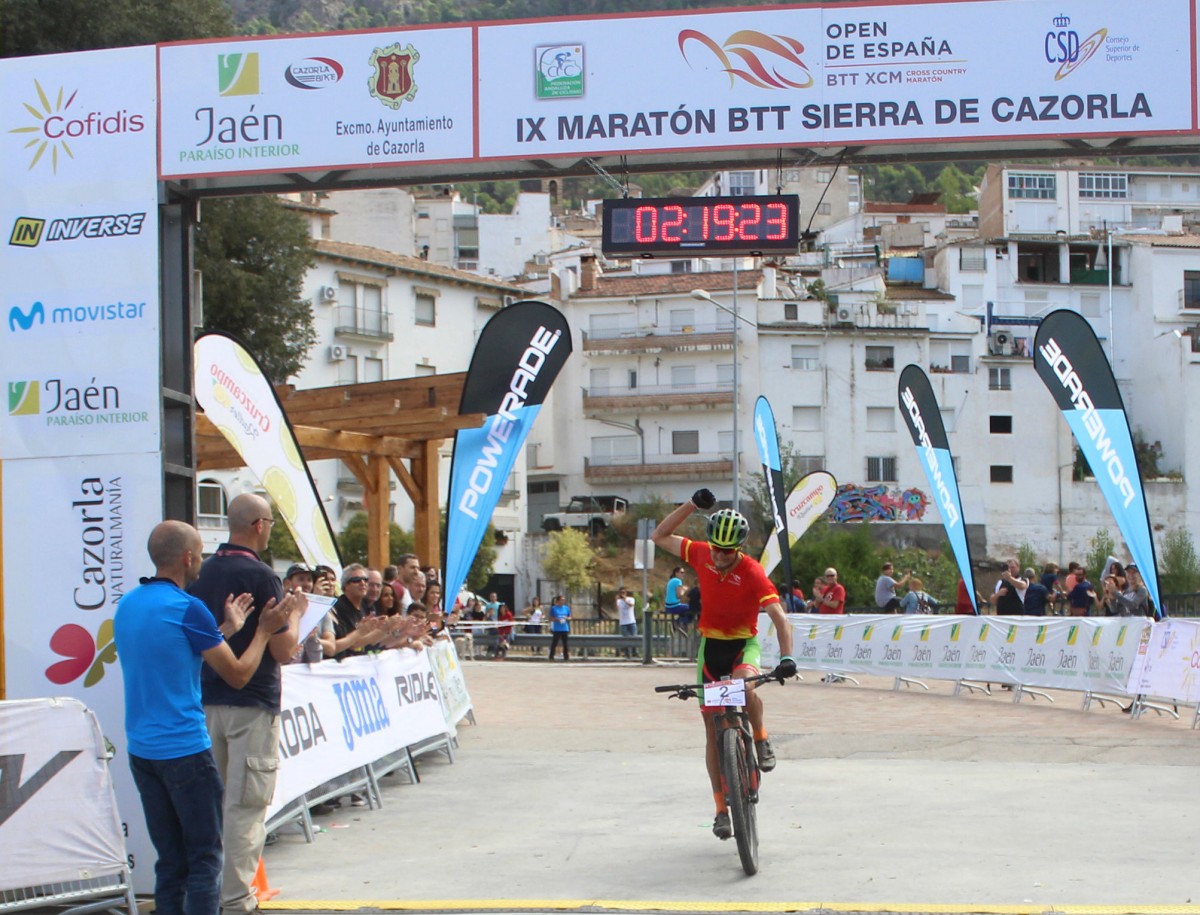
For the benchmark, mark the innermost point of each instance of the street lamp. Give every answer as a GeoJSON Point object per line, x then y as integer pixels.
{"type": "Point", "coordinates": [704, 296]}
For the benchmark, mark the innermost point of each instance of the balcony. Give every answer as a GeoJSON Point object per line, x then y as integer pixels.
{"type": "Point", "coordinates": [661, 397]}
{"type": "Point", "coordinates": [659, 340]}
{"type": "Point", "coordinates": [357, 322]}
{"type": "Point", "coordinates": [696, 467]}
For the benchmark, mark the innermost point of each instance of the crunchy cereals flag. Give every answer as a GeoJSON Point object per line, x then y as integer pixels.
{"type": "Point", "coordinates": [767, 438]}
{"type": "Point", "coordinates": [238, 398]}
{"type": "Point", "coordinates": [518, 356]}
{"type": "Point", "coordinates": [1070, 361]}
{"type": "Point", "coordinates": [809, 499]}
{"type": "Point", "coordinates": [920, 409]}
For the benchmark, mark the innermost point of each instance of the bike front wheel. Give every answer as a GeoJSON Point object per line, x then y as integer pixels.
{"type": "Point", "coordinates": [735, 763]}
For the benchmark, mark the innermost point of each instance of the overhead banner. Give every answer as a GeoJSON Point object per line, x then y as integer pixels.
{"type": "Point", "coordinates": [766, 436]}
{"type": "Point", "coordinates": [1071, 362]}
{"type": "Point", "coordinates": [519, 354]}
{"type": "Point", "coordinates": [238, 399]}
{"type": "Point", "coordinates": [919, 406]}
{"type": "Point", "coordinates": [810, 498]}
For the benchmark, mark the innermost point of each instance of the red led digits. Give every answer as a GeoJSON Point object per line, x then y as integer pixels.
{"type": "Point", "coordinates": [752, 221]}
{"type": "Point", "coordinates": [640, 233]}
{"type": "Point", "coordinates": [724, 215]}
{"type": "Point", "coordinates": [649, 227]}
{"type": "Point", "coordinates": [781, 221]}
{"type": "Point", "coordinates": [673, 218]}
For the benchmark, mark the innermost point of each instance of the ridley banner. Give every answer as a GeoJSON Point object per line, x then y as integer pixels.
{"type": "Point", "coordinates": [518, 356]}
{"type": "Point", "coordinates": [1070, 361]}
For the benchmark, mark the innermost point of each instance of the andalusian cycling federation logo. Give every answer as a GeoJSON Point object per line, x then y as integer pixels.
{"type": "Point", "coordinates": [237, 74]}
{"type": "Point", "coordinates": [558, 71]}
{"type": "Point", "coordinates": [23, 398]}
{"type": "Point", "coordinates": [392, 79]}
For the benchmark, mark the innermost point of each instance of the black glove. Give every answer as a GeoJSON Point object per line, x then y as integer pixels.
{"type": "Point", "coordinates": [785, 669]}
{"type": "Point", "coordinates": [704, 499]}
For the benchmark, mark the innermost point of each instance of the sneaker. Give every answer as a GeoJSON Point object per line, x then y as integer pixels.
{"type": "Point", "coordinates": [766, 756]}
{"type": "Point", "coordinates": [722, 827]}
{"type": "Point", "coordinates": [358, 800]}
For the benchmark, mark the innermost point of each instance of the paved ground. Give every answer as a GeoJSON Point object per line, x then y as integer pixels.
{"type": "Point", "coordinates": [579, 788]}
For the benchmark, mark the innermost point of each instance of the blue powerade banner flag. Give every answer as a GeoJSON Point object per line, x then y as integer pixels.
{"type": "Point", "coordinates": [919, 406]}
{"type": "Point", "coordinates": [517, 358]}
{"type": "Point", "coordinates": [1070, 360]}
{"type": "Point", "coordinates": [767, 437]}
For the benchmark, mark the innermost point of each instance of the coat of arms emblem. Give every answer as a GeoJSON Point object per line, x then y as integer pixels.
{"type": "Point", "coordinates": [391, 79]}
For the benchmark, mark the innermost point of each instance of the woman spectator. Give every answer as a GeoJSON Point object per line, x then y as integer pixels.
{"type": "Point", "coordinates": [325, 581]}
{"type": "Point", "coordinates": [916, 600]}
{"type": "Point", "coordinates": [386, 605]}
{"type": "Point", "coordinates": [1112, 582]}
{"type": "Point", "coordinates": [504, 632]}
{"type": "Point", "coordinates": [1134, 599]}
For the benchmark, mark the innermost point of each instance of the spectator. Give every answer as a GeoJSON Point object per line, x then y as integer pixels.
{"type": "Point", "coordinates": [1112, 582]}
{"type": "Point", "coordinates": [386, 605]}
{"type": "Point", "coordinates": [1037, 595]}
{"type": "Point", "coordinates": [491, 609]}
{"type": "Point", "coordinates": [1081, 595]}
{"type": "Point", "coordinates": [1008, 598]}
{"type": "Point", "coordinates": [916, 600]}
{"type": "Point", "coordinates": [833, 595]}
{"type": "Point", "coordinates": [533, 614]}
{"type": "Point", "coordinates": [433, 595]}
{"type": "Point", "coordinates": [416, 588]}
{"type": "Point", "coordinates": [818, 588]}
{"type": "Point", "coordinates": [298, 576]}
{"type": "Point", "coordinates": [352, 629]}
{"type": "Point", "coordinates": [675, 598]}
{"type": "Point", "coordinates": [161, 633]}
{"type": "Point", "coordinates": [244, 724]}
{"type": "Point", "coordinates": [560, 626]}
{"type": "Point", "coordinates": [504, 632]}
{"type": "Point", "coordinates": [885, 589]}
{"type": "Point", "coordinates": [627, 618]}
{"type": "Point", "coordinates": [325, 581]}
{"type": "Point", "coordinates": [792, 601]}
{"type": "Point", "coordinates": [1134, 598]}
{"type": "Point", "coordinates": [409, 564]}
{"type": "Point", "coordinates": [374, 589]}
{"type": "Point", "coordinates": [962, 601]}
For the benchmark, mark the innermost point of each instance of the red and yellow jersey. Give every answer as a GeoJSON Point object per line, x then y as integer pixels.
{"type": "Point", "coordinates": [729, 602]}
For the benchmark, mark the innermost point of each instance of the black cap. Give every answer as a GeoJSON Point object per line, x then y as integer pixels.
{"type": "Point", "coordinates": [298, 569]}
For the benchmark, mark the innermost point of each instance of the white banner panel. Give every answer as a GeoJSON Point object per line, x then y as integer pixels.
{"type": "Point", "coordinates": [1171, 665]}
{"type": "Point", "coordinates": [58, 815]}
{"type": "Point", "coordinates": [860, 74]}
{"type": "Point", "coordinates": [339, 716]}
{"type": "Point", "coordinates": [279, 104]}
{"type": "Point", "coordinates": [1085, 654]}
{"type": "Point", "coordinates": [452, 685]}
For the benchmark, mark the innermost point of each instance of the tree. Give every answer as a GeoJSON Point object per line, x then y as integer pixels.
{"type": "Point", "coordinates": [50, 26]}
{"type": "Point", "coordinates": [1180, 567]}
{"type": "Point", "coordinates": [352, 542]}
{"type": "Point", "coordinates": [253, 253]}
{"type": "Point", "coordinates": [1102, 546]}
{"type": "Point", "coordinates": [569, 560]}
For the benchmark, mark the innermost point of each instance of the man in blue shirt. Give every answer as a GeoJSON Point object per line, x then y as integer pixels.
{"type": "Point", "coordinates": [162, 633]}
{"type": "Point", "coordinates": [560, 625]}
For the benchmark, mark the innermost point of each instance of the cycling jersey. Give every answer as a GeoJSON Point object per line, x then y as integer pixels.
{"type": "Point", "coordinates": [733, 599]}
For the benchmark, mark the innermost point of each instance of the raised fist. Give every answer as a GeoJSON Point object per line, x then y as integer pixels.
{"type": "Point", "coordinates": [704, 499]}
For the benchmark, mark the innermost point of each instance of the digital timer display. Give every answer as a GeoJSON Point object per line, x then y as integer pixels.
{"type": "Point", "coordinates": [666, 226]}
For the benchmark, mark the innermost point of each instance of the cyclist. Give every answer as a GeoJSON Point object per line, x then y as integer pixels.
{"type": "Point", "coordinates": [736, 590]}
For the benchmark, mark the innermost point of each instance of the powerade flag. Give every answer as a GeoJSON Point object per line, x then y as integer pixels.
{"type": "Point", "coordinates": [767, 437]}
{"type": "Point", "coordinates": [1071, 362]}
{"type": "Point", "coordinates": [517, 358]}
{"type": "Point", "coordinates": [920, 409]}
{"type": "Point", "coordinates": [808, 501]}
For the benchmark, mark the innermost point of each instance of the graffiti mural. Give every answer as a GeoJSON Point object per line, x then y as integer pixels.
{"type": "Point", "coordinates": [877, 503]}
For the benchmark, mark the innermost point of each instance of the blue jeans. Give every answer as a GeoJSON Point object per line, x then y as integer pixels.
{"type": "Point", "coordinates": [182, 801]}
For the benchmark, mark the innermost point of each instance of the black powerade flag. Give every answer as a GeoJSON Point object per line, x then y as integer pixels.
{"type": "Point", "coordinates": [1071, 362]}
{"type": "Point", "coordinates": [919, 406]}
{"type": "Point", "coordinates": [517, 358]}
{"type": "Point", "coordinates": [767, 437]}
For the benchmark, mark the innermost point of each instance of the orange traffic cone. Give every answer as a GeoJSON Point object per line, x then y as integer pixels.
{"type": "Point", "coordinates": [259, 884]}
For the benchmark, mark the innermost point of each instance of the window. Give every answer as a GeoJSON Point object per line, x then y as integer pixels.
{"type": "Point", "coordinates": [881, 359]}
{"type": "Point", "coordinates": [681, 266]}
{"type": "Point", "coordinates": [360, 308]}
{"type": "Point", "coordinates": [685, 442]}
{"type": "Point", "coordinates": [1031, 186]}
{"type": "Point", "coordinates": [949, 418]}
{"type": "Point", "coordinates": [791, 311]}
{"type": "Point", "coordinates": [1191, 289]}
{"type": "Point", "coordinates": [606, 326]}
{"type": "Point", "coordinates": [598, 382]}
{"type": "Point", "coordinates": [1000, 425]}
{"type": "Point", "coordinates": [615, 449]}
{"type": "Point", "coordinates": [1001, 473]}
{"type": "Point", "coordinates": [425, 312]}
{"type": "Point", "coordinates": [725, 443]}
{"type": "Point", "coordinates": [632, 379]}
{"type": "Point", "coordinates": [1103, 186]}
{"type": "Point", "coordinates": [822, 176]}
{"type": "Point", "coordinates": [348, 371]}
{"type": "Point", "coordinates": [807, 463]}
{"type": "Point", "coordinates": [950, 356]}
{"type": "Point", "coordinates": [806, 357]}
{"type": "Point", "coordinates": [741, 184]}
{"type": "Point", "coordinates": [824, 209]}
{"type": "Point", "coordinates": [806, 419]}
{"type": "Point", "coordinates": [683, 319]}
{"type": "Point", "coordinates": [373, 369]}
{"type": "Point", "coordinates": [725, 375]}
{"type": "Point", "coordinates": [881, 419]}
{"type": "Point", "coordinates": [881, 470]}
{"type": "Point", "coordinates": [422, 370]}
{"type": "Point", "coordinates": [999, 379]}
{"type": "Point", "coordinates": [972, 259]}
{"type": "Point", "coordinates": [683, 376]}
{"type": "Point", "coordinates": [210, 505]}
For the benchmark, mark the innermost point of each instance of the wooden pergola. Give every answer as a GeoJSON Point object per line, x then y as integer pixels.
{"type": "Point", "coordinates": [371, 428]}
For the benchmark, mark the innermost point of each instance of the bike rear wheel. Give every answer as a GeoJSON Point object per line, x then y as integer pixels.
{"type": "Point", "coordinates": [734, 769]}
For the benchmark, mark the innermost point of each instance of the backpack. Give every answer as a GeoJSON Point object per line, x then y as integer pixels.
{"type": "Point", "coordinates": [923, 605]}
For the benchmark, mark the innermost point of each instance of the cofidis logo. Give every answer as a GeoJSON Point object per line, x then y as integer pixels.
{"type": "Point", "coordinates": [25, 318]}
{"type": "Point", "coordinates": [57, 122]}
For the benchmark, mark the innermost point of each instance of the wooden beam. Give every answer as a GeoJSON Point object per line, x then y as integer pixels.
{"type": "Point", "coordinates": [406, 480]}
{"type": "Point", "coordinates": [427, 517]}
{"type": "Point", "coordinates": [350, 442]}
{"type": "Point", "coordinates": [339, 415]}
{"type": "Point", "coordinates": [379, 547]}
{"type": "Point", "coordinates": [358, 467]}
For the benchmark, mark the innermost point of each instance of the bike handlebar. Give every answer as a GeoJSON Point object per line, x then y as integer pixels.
{"type": "Point", "coordinates": [687, 690]}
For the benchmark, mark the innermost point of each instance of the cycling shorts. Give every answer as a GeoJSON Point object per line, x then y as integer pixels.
{"type": "Point", "coordinates": [719, 658]}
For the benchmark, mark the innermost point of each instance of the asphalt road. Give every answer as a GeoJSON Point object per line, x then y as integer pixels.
{"type": "Point", "coordinates": [580, 789]}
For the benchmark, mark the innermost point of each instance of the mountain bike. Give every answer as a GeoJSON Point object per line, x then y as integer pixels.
{"type": "Point", "coordinates": [738, 761]}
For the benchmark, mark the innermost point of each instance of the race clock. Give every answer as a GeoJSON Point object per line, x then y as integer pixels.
{"type": "Point", "coordinates": [682, 226]}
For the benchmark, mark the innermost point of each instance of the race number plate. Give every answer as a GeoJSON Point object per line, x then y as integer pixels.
{"type": "Point", "coordinates": [725, 692]}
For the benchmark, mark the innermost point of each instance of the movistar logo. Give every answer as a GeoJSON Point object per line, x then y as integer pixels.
{"type": "Point", "coordinates": [945, 497]}
{"type": "Point", "coordinates": [26, 319]}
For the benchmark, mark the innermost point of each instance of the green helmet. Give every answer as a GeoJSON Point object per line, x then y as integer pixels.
{"type": "Point", "coordinates": [727, 529]}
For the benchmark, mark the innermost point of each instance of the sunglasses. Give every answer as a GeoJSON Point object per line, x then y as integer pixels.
{"type": "Point", "coordinates": [723, 550]}
{"type": "Point", "coordinates": [357, 580]}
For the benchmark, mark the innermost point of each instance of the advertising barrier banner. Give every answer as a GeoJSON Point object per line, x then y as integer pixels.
{"type": "Point", "coordinates": [1083, 654]}
{"type": "Point", "coordinates": [1171, 664]}
{"type": "Point", "coordinates": [339, 716]}
{"type": "Point", "coordinates": [452, 685]}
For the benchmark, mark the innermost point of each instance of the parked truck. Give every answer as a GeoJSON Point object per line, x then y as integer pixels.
{"type": "Point", "coordinates": [592, 513]}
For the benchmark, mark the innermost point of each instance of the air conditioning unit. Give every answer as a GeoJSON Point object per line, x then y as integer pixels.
{"type": "Point", "coordinates": [338, 352]}
{"type": "Point", "coordinates": [1000, 343]}
{"type": "Point", "coordinates": [327, 294]}
{"type": "Point", "coordinates": [845, 314]}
